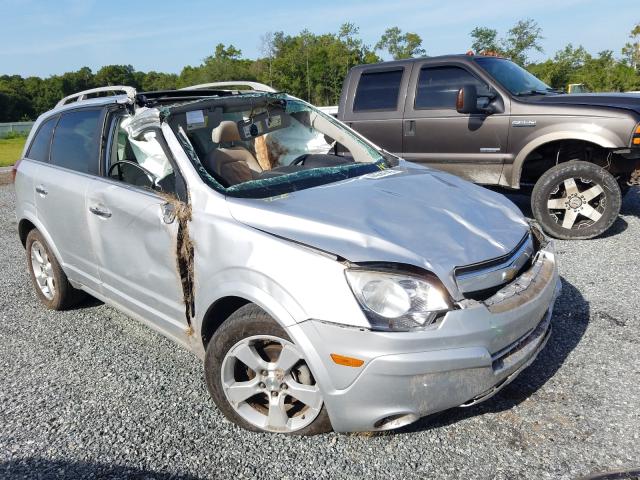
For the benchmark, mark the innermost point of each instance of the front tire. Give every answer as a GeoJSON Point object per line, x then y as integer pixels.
{"type": "Point", "coordinates": [259, 379]}
{"type": "Point", "coordinates": [576, 200]}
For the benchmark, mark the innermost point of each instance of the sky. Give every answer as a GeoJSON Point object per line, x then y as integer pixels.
{"type": "Point", "coordinates": [43, 38]}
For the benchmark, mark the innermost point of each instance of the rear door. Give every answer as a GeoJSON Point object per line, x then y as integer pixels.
{"type": "Point", "coordinates": [135, 243]}
{"type": "Point", "coordinates": [473, 146]}
{"type": "Point", "coordinates": [60, 189]}
{"type": "Point", "coordinates": [374, 102]}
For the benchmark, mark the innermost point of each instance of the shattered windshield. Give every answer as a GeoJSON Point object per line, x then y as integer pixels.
{"type": "Point", "coordinates": [265, 145]}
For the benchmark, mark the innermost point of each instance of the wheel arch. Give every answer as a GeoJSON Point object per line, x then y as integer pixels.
{"type": "Point", "coordinates": [237, 295]}
{"type": "Point", "coordinates": [216, 315]}
{"type": "Point", "coordinates": [28, 223]}
{"type": "Point", "coordinates": [24, 227]}
{"type": "Point", "coordinates": [552, 140]}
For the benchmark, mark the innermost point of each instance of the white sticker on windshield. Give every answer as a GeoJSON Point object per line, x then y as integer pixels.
{"type": "Point", "coordinates": [195, 119]}
{"type": "Point", "coordinates": [380, 174]}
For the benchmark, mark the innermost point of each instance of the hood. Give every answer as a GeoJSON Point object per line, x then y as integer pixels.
{"type": "Point", "coordinates": [626, 101]}
{"type": "Point", "coordinates": [408, 214]}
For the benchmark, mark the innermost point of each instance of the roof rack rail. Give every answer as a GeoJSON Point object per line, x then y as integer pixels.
{"type": "Point", "coordinates": [258, 87]}
{"type": "Point", "coordinates": [164, 96]}
{"type": "Point", "coordinates": [80, 96]}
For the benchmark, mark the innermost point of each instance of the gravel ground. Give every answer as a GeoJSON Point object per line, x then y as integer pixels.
{"type": "Point", "coordinates": [90, 393]}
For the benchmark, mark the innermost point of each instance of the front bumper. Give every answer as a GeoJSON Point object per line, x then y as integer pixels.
{"type": "Point", "coordinates": [464, 359]}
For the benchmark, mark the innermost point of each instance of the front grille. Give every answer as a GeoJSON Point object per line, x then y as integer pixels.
{"type": "Point", "coordinates": [482, 280]}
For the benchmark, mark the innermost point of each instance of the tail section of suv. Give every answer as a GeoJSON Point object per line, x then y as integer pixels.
{"type": "Point", "coordinates": [490, 121]}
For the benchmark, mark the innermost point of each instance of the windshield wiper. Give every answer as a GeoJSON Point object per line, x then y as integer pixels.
{"type": "Point", "coordinates": [531, 92]}
{"type": "Point", "coordinates": [546, 91]}
{"type": "Point", "coordinates": [389, 158]}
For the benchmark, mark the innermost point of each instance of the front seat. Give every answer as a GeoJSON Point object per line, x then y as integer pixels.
{"type": "Point", "coordinates": [235, 164]}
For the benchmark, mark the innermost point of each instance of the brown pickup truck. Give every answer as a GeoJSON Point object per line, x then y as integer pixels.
{"type": "Point", "coordinates": [490, 121]}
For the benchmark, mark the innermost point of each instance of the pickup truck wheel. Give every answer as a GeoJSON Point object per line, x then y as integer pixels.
{"type": "Point", "coordinates": [576, 200]}
{"type": "Point", "coordinates": [259, 379]}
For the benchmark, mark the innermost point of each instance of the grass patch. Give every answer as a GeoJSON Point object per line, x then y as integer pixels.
{"type": "Point", "coordinates": [11, 150]}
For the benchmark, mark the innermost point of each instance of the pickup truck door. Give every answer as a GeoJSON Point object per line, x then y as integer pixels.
{"type": "Point", "coordinates": [374, 103]}
{"type": "Point", "coordinates": [471, 146]}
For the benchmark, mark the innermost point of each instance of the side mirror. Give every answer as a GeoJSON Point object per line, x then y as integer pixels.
{"type": "Point", "coordinates": [467, 100]}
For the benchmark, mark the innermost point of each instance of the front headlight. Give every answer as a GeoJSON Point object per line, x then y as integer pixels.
{"type": "Point", "coordinates": [396, 301]}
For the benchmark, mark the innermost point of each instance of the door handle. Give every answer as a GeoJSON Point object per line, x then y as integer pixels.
{"type": "Point", "coordinates": [41, 190]}
{"type": "Point", "coordinates": [168, 213]}
{"type": "Point", "coordinates": [101, 212]}
{"type": "Point", "coordinates": [409, 128]}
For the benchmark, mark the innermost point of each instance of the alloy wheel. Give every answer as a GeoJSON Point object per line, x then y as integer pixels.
{"type": "Point", "coordinates": [576, 203]}
{"type": "Point", "coordinates": [42, 270]}
{"type": "Point", "coordinates": [268, 383]}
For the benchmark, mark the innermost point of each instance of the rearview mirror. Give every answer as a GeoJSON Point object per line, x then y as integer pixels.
{"type": "Point", "coordinates": [467, 100]}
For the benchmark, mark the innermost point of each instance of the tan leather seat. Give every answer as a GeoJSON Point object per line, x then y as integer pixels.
{"type": "Point", "coordinates": [235, 164]}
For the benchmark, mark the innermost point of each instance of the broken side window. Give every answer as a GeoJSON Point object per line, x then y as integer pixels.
{"type": "Point", "coordinates": [138, 158]}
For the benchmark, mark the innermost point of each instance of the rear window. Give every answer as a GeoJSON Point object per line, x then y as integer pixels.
{"type": "Point", "coordinates": [438, 86]}
{"type": "Point", "coordinates": [39, 149]}
{"type": "Point", "coordinates": [378, 90]}
{"type": "Point", "coordinates": [75, 142]}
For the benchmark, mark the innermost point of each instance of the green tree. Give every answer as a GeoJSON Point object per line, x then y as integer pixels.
{"type": "Point", "coordinates": [313, 66]}
{"type": "Point", "coordinates": [484, 40]}
{"type": "Point", "coordinates": [523, 37]}
{"type": "Point", "coordinates": [116, 75]}
{"type": "Point", "coordinates": [601, 73]}
{"type": "Point", "coordinates": [225, 64]}
{"type": "Point", "coordinates": [73, 82]}
{"type": "Point", "coordinates": [563, 68]}
{"type": "Point", "coordinates": [14, 104]}
{"type": "Point", "coordinates": [401, 45]}
{"type": "Point", "coordinates": [153, 81]}
{"type": "Point", "coordinates": [631, 50]}
{"type": "Point", "coordinates": [606, 74]}
{"type": "Point", "coordinates": [267, 48]}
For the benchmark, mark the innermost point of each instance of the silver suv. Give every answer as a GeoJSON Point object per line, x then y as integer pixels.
{"type": "Point", "coordinates": [325, 283]}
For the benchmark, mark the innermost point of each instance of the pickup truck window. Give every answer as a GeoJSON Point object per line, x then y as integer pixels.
{"type": "Point", "coordinates": [438, 86]}
{"type": "Point", "coordinates": [378, 90]}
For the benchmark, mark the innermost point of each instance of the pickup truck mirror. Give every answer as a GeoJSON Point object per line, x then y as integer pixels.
{"type": "Point", "coordinates": [467, 100]}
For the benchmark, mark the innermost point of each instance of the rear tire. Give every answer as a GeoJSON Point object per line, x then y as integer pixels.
{"type": "Point", "coordinates": [245, 363]}
{"type": "Point", "coordinates": [576, 200]}
{"type": "Point", "coordinates": [49, 280]}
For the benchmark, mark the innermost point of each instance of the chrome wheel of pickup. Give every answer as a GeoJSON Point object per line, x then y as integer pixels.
{"type": "Point", "coordinates": [268, 383]}
{"type": "Point", "coordinates": [576, 200]}
{"type": "Point", "coordinates": [42, 270]}
{"type": "Point", "coordinates": [577, 203]}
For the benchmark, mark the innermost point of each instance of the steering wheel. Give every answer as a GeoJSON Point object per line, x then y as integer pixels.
{"type": "Point", "coordinates": [300, 159]}
{"type": "Point", "coordinates": [152, 178]}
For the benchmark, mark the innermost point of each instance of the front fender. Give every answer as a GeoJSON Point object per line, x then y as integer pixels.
{"type": "Point", "coordinates": [602, 138]}
{"type": "Point", "coordinates": [252, 286]}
